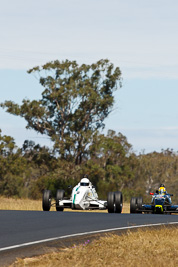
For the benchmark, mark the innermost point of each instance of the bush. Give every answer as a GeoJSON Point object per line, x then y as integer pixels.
{"type": "Point", "coordinates": [11, 185]}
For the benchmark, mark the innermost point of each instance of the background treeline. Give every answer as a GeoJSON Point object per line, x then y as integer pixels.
{"type": "Point", "coordinates": [110, 164]}
{"type": "Point", "coordinates": [75, 101]}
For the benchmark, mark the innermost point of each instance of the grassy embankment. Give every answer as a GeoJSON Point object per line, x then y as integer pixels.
{"type": "Point", "coordinates": [140, 248]}
{"type": "Point", "coordinates": [27, 204]}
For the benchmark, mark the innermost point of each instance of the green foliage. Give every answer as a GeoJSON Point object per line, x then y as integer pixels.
{"type": "Point", "coordinates": [34, 168]}
{"type": "Point", "coordinates": [114, 154]}
{"type": "Point", "coordinates": [7, 145]}
{"type": "Point", "coordinates": [111, 166]}
{"type": "Point", "coordinates": [11, 185]}
{"type": "Point", "coordinates": [75, 101]}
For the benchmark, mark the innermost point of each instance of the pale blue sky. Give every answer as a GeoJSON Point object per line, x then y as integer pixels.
{"type": "Point", "coordinates": [138, 36]}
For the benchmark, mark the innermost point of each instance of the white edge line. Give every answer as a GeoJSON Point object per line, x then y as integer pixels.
{"type": "Point", "coordinates": [85, 233]}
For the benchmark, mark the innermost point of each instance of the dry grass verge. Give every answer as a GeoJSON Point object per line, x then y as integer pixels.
{"type": "Point", "coordinates": [19, 204]}
{"type": "Point", "coordinates": [27, 204]}
{"type": "Point", "coordinates": [141, 248]}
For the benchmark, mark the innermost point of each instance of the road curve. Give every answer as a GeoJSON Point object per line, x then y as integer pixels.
{"type": "Point", "coordinates": [23, 227]}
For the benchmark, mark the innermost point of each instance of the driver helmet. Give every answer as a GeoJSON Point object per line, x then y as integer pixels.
{"type": "Point", "coordinates": [162, 189]}
{"type": "Point", "coordinates": [84, 182]}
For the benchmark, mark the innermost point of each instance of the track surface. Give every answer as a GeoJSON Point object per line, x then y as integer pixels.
{"type": "Point", "coordinates": [18, 227]}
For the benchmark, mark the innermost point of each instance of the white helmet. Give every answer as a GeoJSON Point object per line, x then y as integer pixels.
{"type": "Point", "coordinates": [84, 182]}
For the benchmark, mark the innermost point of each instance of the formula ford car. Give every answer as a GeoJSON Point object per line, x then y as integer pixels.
{"type": "Point", "coordinates": [160, 204]}
{"type": "Point", "coordinates": [83, 197]}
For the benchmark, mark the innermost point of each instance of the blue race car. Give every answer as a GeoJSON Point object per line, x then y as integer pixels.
{"type": "Point", "coordinates": [160, 204]}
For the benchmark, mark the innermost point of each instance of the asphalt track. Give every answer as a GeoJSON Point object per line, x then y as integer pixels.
{"type": "Point", "coordinates": [22, 231]}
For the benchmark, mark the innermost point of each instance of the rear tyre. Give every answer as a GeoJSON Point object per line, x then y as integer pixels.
{"type": "Point", "coordinates": [59, 196]}
{"type": "Point", "coordinates": [133, 205]}
{"type": "Point", "coordinates": [139, 204]}
{"type": "Point", "coordinates": [110, 202]}
{"type": "Point", "coordinates": [118, 202]}
{"type": "Point", "coordinates": [46, 200]}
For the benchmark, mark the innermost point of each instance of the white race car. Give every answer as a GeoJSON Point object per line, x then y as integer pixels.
{"type": "Point", "coordinates": [83, 197]}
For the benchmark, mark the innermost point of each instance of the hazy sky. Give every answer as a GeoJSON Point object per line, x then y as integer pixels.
{"type": "Point", "coordinates": [140, 37]}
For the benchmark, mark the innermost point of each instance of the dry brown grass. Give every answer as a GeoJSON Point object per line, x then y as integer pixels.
{"type": "Point", "coordinates": [141, 248]}
{"type": "Point", "coordinates": [27, 204]}
{"type": "Point", "coordinates": [19, 204]}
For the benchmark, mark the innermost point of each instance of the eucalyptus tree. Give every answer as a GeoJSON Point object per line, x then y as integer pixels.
{"type": "Point", "coordinates": [74, 103]}
{"type": "Point", "coordinates": [115, 156]}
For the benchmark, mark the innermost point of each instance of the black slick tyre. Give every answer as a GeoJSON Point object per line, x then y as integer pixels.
{"type": "Point", "coordinates": [139, 204]}
{"type": "Point", "coordinates": [118, 202]}
{"type": "Point", "coordinates": [110, 202]}
{"type": "Point", "coordinates": [133, 205]}
{"type": "Point", "coordinates": [46, 200]}
{"type": "Point", "coordinates": [59, 196]}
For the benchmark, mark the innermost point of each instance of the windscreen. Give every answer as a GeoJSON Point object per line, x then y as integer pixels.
{"type": "Point", "coordinates": [84, 184]}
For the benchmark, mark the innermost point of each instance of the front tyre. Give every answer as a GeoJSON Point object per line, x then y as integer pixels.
{"type": "Point", "coordinates": [110, 202]}
{"type": "Point", "coordinates": [59, 196]}
{"type": "Point", "coordinates": [118, 202]}
{"type": "Point", "coordinates": [46, 200]}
